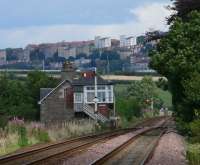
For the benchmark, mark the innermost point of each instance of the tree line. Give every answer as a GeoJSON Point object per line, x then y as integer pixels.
{"type": "Point", "coordinates": [177, 57]}
{"type": "Point", "coordinates": [20, 97]}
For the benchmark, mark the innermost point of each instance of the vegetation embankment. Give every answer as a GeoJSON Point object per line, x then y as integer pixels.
{"type": "Point", "coordinates": [18, 134]}
{"type": "Point", "coordinates": [20, 97]}
{"type": "Point", "coordinates": [177, 58]}
{"type": "Point", "coordinates": [141, 99]}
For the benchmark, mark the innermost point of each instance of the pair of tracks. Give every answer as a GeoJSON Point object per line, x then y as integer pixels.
{"type": "Point", "coordinates": [42, 154]}
{"type": "Point", "coordinates": [137, 150]}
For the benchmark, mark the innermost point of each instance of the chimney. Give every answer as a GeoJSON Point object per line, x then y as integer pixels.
{"type": "Point", "coordinates": [68, 71]}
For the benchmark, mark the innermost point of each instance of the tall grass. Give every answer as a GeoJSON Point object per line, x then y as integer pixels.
{"type": "Point", "coordinates": [193, 154]}
{"type": "Point", "coordinates": [71, 129]}
{"type": "Point", "coordinates": [18, 134]}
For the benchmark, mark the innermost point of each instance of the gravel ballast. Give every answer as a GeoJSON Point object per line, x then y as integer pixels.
{"type": "Point", "coordinates": [170, 151]}
{"type": "Point", "coordinates": [99, 150]}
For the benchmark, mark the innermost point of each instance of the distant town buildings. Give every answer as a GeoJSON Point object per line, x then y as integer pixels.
{"type": "Point", "coordinates": [127, 41]}
{"type": "Point", "coordinates": [2, 57]}
{"type": "Point", "coordinates": [103, 52]}
{"type": "Point", "coordinates": [66, 52]}
{"type": "Point", "coordinates": [101, 43]}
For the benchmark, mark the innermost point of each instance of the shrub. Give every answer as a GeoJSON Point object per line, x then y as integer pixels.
{"type": "Point", "coordinates": [195, 130]}
{"type": "Point", "coordinates": [162, 83]}
{"type": "Point", "coordinates": [3, 121]}
{"type": "Point", "coordinates": [23, 140]}
{"type": "Point", "coordinates": [43, 136]}
{"type": "Point", "coordinates": [128, 108]}
{"type": "Point", "coordinates": [183, 127]}
{"type": "Point", "coordinates": [193, 154]}
{"type": "Point", "coordinates": [39, 132]}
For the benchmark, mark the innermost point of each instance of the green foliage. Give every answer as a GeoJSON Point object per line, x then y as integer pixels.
{"type": "Point", "coordinates": [182, 8]}
{"type": "Point", "coordinates": [162, 83]}
{"type": "Point", "coordinates": [3, 121]}
{"type": "Point", "coordinates": [23, 140]}
{"type": "Point", "coordinates": [15, 100]}
{"type": "Point", "coordinates": [165, 96]}
{"type": "Point", "coordinates": [144, 91]}
{"type": "Point", "coordinates": [195, 131]}
{"type": "Point", "coordinates": [19, 98]}
{"type": "Point", "coordinates": [193, 154]}
{"type": "Point", "coordinates": [177, 58]}
{"type": "Point", "coordinates": [192, 92]}
{"type": "Point", "coordinates": [42, 135]}
{"type": "Point", "coordinates": [182, 126]}
{"type": "Point", "coordinates": [128, 108]}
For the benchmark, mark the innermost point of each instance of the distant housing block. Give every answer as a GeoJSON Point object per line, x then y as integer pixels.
{"type": "Point", "coordinates": [127, 41]}
{"type": "Point", "coordinates": [2, 57]}
{"type": "Point", "coordinates": [101, 43]}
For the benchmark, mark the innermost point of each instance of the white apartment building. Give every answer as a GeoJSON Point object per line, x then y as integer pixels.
{"type": "Point", "coordinates": [127, 41]}
{"type": "Point", "coordinates": [2, 57]}
{"type": "Point", "coordinates": [66, 52]}
{"type": "Point", "coordinates": [101, 43]}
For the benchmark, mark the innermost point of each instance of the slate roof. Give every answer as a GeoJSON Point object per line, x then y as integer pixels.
{"type": "Point", "coordinates": [51, 91]}
{"type": "Point", "coordinates": [44, 92]}
{"type": "Point", "coordinates": [90, 81]}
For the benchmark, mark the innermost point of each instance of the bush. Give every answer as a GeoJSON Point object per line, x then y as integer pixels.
{"type": "Point", "coordinates": [43, 136]}
{"type": "Point", "coordinates": [3, 121]}
{"type": "Point", "coordinates": [23, 140]}
{"type": "Point", "coordinates": [195, 131]}
{"type": "Point", "coordinates": [162, 83]}
{"type": "Point", "coordinates": [128, 108]}
{"type": "Point", "coordinates": [39, 132]}
{"type": "Point", "coordinates": [183, 127]}
{"type": "Point", "coordinates": [193, 154]}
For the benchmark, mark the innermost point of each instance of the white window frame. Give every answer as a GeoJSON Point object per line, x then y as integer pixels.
{"type": "Point", "coordinates": [108, 89]}
{"type": "Point", "coordinates": [78, 97]}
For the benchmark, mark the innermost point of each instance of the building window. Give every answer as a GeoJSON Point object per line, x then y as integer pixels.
{"type": "Point", "coordinates": [101, 87]}
{"type": "Point", "coordinates": [102, 97]}
{"type": "Point", "coordinates": [90, 96]}
{"type": "Point", "coordinates": [78, 98]}
{"type": "Point", "coordinates": [90, 88]}
{"type": "Point", "coordinates": [109, 87]}
{"type": "Point", "coordinates": [110, 96]}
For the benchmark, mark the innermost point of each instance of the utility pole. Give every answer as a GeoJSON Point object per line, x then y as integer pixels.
{"type": "Point", "coordinates": [95, 93]}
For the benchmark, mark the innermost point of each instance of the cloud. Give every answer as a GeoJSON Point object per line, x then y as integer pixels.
{"type": "Point", "coordinates": [144, 17]}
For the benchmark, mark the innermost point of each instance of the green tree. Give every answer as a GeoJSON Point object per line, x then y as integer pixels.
{"type": "Point", "coordinates": [144, 91]}
{"type": "Point", "coordinates": [128, 108]}
{"type": "Point", "coordinates": [177, 57]}
{"type": "Point", "coordinates": [20, 98]}
{"type": "Point", "coordinates": [35, 81]}
{"type": "Point", "coordinates": [14, 99]}
{"type": "Point", "coordinates": [182, 8]}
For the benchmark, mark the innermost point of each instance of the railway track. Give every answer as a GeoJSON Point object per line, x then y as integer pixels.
{"type": "Point", "coordinates": [138, 150]}
{"type": "Point", "coordinates": [43, 154]}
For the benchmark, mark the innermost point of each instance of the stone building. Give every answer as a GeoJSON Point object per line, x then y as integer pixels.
{"type": "Point", "coordinates": [75, 96]}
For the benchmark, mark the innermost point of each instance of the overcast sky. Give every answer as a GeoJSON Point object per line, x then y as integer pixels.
{"type": "Point", "coordinates": [35, 21]}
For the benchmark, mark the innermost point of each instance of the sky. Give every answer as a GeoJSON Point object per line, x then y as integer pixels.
{"type": "Point", "coordinates": [25, 22]}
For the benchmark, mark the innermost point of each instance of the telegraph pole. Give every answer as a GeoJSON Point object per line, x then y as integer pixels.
{"type": "Point", "coordinates": [95, 93]}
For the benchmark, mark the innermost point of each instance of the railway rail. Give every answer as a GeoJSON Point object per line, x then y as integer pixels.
{"type": "Point", "coordinates": [42, 154]}
{"type": "Point", "coordinates": [137, 150]}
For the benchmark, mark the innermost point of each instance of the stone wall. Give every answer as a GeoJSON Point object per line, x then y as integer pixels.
{"type": "Point", "coordinates": [53, 108]}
